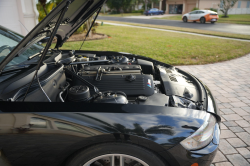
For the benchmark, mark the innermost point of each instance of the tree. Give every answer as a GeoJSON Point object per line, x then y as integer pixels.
{"type": "Point", "coordinates": [115, 4]}
{"type": "Point", "coordinates": [43, 3]}
{"type": "Point", "coordinates": [119, 4]}
{"type": "Point", "coordinates": [45, 7]}
{"type": "Point", "coordinates": [147, 3]}
{"type": "Point", "coordinates": [56, 2]}
{"type": "Point", "coordinates": [126, 4]}
{"type": "Point", "coordinates": [225, 5]}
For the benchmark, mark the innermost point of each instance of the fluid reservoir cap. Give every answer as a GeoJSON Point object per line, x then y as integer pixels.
{"type": "Point", "coordinates": [130, 77]}
{"type": "Point", "coordinates": [79, 93]}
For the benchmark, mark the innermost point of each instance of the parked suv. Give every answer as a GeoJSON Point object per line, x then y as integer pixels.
{"type": "Point", "coordinates": [153, 11]}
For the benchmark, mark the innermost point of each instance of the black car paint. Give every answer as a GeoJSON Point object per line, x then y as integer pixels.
{"type": "Point", "coordinates": [159, 129]}
{"type": "Point", "coordinates": [153, 127]}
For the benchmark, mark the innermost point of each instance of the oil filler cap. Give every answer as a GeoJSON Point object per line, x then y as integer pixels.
{"type": "Point", "coordinates": [142, 98]}
{"type": "Point", "coordinates": [130, 78]}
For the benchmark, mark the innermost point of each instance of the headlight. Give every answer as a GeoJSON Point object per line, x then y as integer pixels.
{"type": "Point", "coordinates": [202, 136]}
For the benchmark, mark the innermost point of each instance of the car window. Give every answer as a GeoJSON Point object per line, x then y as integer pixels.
{"type": "Point", "coordinates": [9, 40]}
{"type": "Point", "coordinates": [193, 12]}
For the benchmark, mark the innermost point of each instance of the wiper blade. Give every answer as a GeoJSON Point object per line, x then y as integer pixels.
{"type": "Point", "coordinates": [16, 67]}
{"type": "Point", "coordinates": [32, 56]}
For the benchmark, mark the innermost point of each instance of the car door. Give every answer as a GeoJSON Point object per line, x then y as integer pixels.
{"type": "Point", "coordinates": [153, 11]}
{"type": "Point", "coordinates": [190, 15]}
{"type": "Point", "coordinates": [200, 14]}
{"type": "Point", "coordinates": [194, 15]}
{"type": "Point", "coordinates": [157, 11]}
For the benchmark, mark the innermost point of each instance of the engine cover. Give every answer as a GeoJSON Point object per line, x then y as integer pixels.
{"type": "Point", "coordinates": [132, 85]}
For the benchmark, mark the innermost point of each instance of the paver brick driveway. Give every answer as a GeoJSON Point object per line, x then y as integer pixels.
{"type": "Point", "coordinates": [230, 84]}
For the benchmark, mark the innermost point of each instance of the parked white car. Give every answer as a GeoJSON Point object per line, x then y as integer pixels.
{"type": "Point", "coordinates": [201, 15]}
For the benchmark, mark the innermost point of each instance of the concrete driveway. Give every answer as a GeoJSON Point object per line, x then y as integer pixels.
{"type": "Point", "coordinates": [220, 27]}
{"type": "Point", "coordinates": [230, 84]}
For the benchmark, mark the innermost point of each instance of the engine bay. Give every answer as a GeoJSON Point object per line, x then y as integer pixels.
{"type": "Point", "coordinates": [117, 79]}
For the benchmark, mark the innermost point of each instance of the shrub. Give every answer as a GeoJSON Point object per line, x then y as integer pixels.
{"type": "Point", "coordinates": [138, 11]}
{"type": "Point", "coordinates": [83, 28]}
{"type": "Point", "coordinates": [114, 12]}
{"type": "Point", "coordinates": [195, 8]}
{"type": "Point", "coordinates": [213, 9]}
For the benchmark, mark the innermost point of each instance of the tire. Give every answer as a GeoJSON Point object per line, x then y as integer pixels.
{"type": "Point", "coordinates": [194, 21]}
{"type": "Point", "coordinates": [212, 22]}
{"type": "Point", "coordinates": [184, 19]}
{"type": "Point", "coordinates": [85, 156]}
{"type": "Point", "coordinates": [203, 20]}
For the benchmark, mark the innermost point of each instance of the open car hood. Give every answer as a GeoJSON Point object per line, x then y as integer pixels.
{"type": "Point", "coordinates": [78, 12]}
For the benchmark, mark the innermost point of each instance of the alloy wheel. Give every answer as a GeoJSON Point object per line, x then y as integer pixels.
{"type": "Point", "coordinates": [115, 160]}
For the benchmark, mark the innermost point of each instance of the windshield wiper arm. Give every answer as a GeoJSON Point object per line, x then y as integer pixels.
{"type": "Point", "coordinates": [32, 56]}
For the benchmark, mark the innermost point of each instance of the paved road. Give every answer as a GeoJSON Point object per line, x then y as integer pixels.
{"type": "Point", "coordinates": [230, 28]}
{"type": "Point", "coordinates": [230, 84]}
{"type": "Point", "coordinates": [166, 30]}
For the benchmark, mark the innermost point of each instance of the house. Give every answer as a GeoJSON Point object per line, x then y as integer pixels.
{"type": "Point", "coordinates": [185, 6]}
{"type": "Point", "coordinates": [18, 15]}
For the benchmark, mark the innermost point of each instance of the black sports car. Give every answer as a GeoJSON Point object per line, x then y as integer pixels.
{"type": "Point", "coordinates": [90, 108]}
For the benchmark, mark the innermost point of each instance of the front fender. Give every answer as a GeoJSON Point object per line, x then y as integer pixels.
{"type": "Point", "coordinates": [67, 132]}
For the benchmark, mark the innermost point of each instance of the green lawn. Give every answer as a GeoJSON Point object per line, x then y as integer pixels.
{"type": "Point", "coordinates": [121, 15]}
{"type": "Point", "coordinates": [176, 17]}
{"type": "Point", "coordinates": [236, 19]}
{"type": "Point", "coordinates": [233, 19]}
{"type": "Point", "coordinates": [168, 47]}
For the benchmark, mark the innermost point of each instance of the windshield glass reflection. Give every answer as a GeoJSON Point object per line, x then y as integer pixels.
{"type": "Point", "coordinates": [9, 40]}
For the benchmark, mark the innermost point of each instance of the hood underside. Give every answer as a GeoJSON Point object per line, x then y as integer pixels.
{"type": "Point", "coordinates": [77, 14]}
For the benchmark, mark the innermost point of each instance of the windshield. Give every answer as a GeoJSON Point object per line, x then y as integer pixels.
{"type": "Point", "coordinates": [8, 41]}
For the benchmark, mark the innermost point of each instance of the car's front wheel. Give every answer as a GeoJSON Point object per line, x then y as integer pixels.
{"type": "Point", "coordinates": [115, 154]}
{"type": "Point", "coordinates": [184, 19]}
{"type": "Point", "coordinates": [212, 22]}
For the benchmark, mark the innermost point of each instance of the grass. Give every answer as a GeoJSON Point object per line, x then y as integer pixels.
{"type": "Point", "coordinates": [232, 19]}
{"type": "Point", "coordinates": [121, 15]}
{"type": "Point", "coordinates": [171, 48]}
{"type": "Point", "coordinates": [236, 19]}
{"type": "Point", "coordinates": [175, 17]}
{"type": "Point", "coordinates": [199, 31]}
